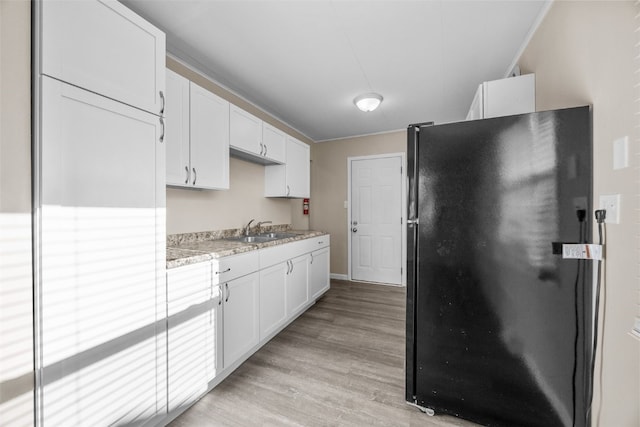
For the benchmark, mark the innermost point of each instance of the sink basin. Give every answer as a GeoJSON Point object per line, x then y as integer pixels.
{"type": "Point", "coordinates": [261, 238]}
{"type": "Point", "coordinates": [278, 235]}
{"type": "Point", "coordinates": [251, 239]}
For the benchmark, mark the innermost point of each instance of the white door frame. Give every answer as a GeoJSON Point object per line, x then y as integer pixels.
{"type": "Point", "coordinates": [403, 189]}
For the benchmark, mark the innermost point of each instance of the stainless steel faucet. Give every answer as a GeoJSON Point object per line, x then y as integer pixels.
{"type": "Point", "coordinates": [248, 227]}
{"type": "Point", "coordinates": [260, 225]}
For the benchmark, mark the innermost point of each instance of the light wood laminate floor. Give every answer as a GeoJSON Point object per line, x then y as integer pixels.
{"type": "Point", "coordinates": [339, 364]}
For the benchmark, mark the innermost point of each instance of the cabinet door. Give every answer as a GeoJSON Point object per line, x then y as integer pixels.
{"type": "Point", "coordinates": [273, 311]}
{"type": "Point", "coordinates": [318, 273]}
{"type": "Point", "coordinates": [241, 317]}
{"type": "Point", "coordinates": [274, 141]}
{"type": "Point", "coordinates": [209, 124]}
{"type": "Point", "coordinates": [189, 312]}
{"type": "Point", "coordinates": [103, 336]}
{"type": "Point", "coordinates": [510, 96]}
{"type": "Point", "coordinates": [298, 168]}
{"type": "Point", "coordinates": [104, 47]}
{"type": "Point", "coordinates": [297, 285]}
{"type": "Point", "coordinates": [177, 133]}
{"type": "Point", "coordinates": [246, 131]}
{"type": "Point", "coordinates": [213, 340]}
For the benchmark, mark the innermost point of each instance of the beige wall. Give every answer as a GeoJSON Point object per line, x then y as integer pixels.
{"type": "Point", "coordinates": [329, 185]}
{"type": "Point", "coordinates": [583, 53]}
{"type": "Point", "coordinates": [194, 210]}
{"type": "Point", "coordinates": [16, 321]}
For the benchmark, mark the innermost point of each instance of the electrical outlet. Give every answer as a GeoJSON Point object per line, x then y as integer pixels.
{"type": "Point", "coordinates": [611, 203]}
{"type": "Point", "coordinates": [580, 203]}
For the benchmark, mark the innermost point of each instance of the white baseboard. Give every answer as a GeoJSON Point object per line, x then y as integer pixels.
{"type": "Point", "coordinates": [339, 276]}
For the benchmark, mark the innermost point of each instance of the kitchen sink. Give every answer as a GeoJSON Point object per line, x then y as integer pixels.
{"type": "Point", "coordinates": [251, 239]}
{"type": "Point", "coordinates": [278, 235]}
{"type": "Point", "coordinates": [261, 238]}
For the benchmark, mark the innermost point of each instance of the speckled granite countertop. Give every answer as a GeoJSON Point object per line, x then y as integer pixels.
{"type": "Point", "coordinates": [191, 248]}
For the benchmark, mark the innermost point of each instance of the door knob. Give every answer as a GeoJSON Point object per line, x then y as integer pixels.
{"type": "Point", "coordinates": [354, 229]}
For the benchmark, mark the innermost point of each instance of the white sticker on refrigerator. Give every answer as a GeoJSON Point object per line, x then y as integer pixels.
{"type": "Point", "coordinates": [582, 251]}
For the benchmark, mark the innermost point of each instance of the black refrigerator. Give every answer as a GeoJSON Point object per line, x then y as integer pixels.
{"type": "Point", "coordinates": [499, 325]}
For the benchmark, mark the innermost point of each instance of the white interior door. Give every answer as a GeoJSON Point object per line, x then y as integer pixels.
{"type": "Point", "coordinates": [376, 220]}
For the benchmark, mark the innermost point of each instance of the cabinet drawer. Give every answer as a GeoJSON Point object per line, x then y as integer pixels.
{"type": "Point", "coordinates": [281, 253]}
{"type": "Point", "coordinates": [228, 268]}
{"type": "Point", "coordinates": [187, 286]}
{"type": "Point", "coordinates": [316, 243]}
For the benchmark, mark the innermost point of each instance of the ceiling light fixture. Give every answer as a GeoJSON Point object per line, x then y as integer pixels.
{"type": "Point", "coordinates": [368, 101]}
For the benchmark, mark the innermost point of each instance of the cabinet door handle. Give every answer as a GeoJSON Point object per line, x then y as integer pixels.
{"type": "Point", "coordinates": [311, 258]}
{"type": "Point", "coordinates": [266, 149]}
{"type": "Point", "coordinates": [224, 271]}
{"type": "Point", "coordinates": [186, 169]}
{"type": "Point", "coordinates": [162, 134]}
{"type": "Point", "coordinates": [195, 176]}
{"type": "Point", "coordinates": [220, 295]}
{"type": "Point", "coordinates": [291, 266]}
{"type": "Point", "coordinates": [288, 190]}
{"type": "Point", "coordinates": [261, 149]}
{"type": "Point", "coordinates": [163, 102]}
{"type": "Point", "coordinates": [226, 286]}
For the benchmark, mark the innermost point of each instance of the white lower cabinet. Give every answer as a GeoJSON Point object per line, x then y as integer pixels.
{"type": "Point", "coordinates": [194, 333]}
{"type": "Point", "coordinates": [273, 311]}
{"type": "Point", "coordinates": [221, 311]}
{"type": "Point", "coordinates": [297, 285]}
{"type": "Point", "coordinates": [318, 273]}
{"type": "Point", "coordinates": [241, 317]}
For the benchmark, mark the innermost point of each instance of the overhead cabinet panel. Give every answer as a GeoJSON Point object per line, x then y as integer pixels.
{"type": "Point", "coordinates": [209, 130]}
{"type": "Point", "coordinates": [274, 143]}
{"type": "Point", "coordinates": [291, 179]}
{"type": "Point", "coordinates": [253, 140]}
{"type": "Point", "coordinates": [177, 135]}
{"type": "Point", "coordinates": [197, 136]}
{"type": "Point", "coordinates": [104, 47]}
{"type": "Point", "coordinates": [504, 97]}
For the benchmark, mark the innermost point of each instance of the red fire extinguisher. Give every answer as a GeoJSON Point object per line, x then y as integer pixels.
{"type": "Point", "coordinates": [305, 206]}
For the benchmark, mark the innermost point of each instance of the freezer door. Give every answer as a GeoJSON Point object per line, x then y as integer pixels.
{"type": "Point", "coordinates": [501, 322]}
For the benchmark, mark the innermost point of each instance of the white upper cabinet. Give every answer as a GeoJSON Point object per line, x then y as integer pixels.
{"type": "Point", "coordinates": [274, 143]}
{"type": "Point", "coordinates": [106, 48]}
{"type": "Point", "coordinates": [197, 139]}
{"type": "Point", "coordinates": [292, 178]}
{"type": "Point", "coordinates": [254, 140]}
{"type": "Point", "coordinates": [246, 131]}
{"type": "Point", "coordinates": [504, 97]}
{"type": "Point", "coordinates": [209, 130]}
{"type": "Point", "coordinates": [177, 135]}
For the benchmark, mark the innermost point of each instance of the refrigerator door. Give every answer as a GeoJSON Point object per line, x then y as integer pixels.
{"type": "Point", "coordinates": [500, 321]}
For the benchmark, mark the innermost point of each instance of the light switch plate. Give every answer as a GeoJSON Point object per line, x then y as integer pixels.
{"type": "Point", "coordinates": [621, 153]}
{"type": "Point", "coordinates": [611, 203]}
{"type": "Point", "coordinates": [346, 204]}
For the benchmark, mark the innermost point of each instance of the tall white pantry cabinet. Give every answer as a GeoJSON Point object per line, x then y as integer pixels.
{"type": "Point", "coordinates": [99, 159]}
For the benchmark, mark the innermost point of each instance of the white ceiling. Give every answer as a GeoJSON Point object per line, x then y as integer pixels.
{"type": "Point", "coordinates": [304, 61]}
